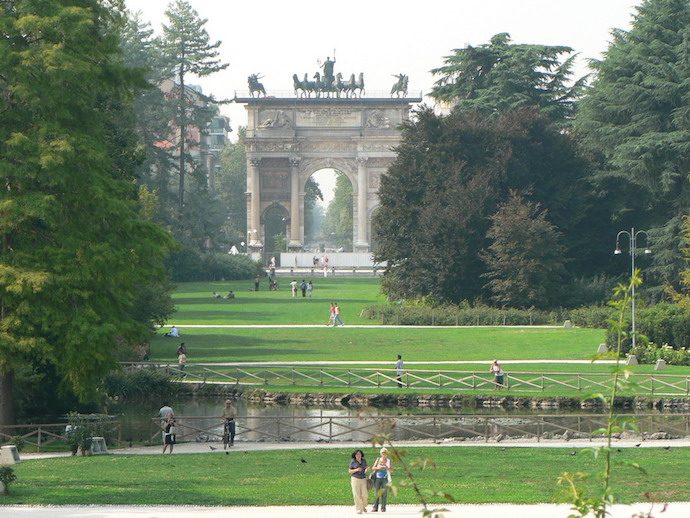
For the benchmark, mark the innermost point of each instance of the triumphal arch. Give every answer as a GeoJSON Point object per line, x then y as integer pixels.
{"type": "Point", "coordinates": [329, 123]}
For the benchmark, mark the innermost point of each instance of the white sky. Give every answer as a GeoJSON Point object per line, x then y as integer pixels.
{"type": "Point", "coordinates": [278, 38]}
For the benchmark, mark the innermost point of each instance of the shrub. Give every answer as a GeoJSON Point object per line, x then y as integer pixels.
{"type": "Point", "coordinates": [189, 265]}
{"type": "Point", "coordinates": [663, 323]}
{"type": "Point", "coordinates": [139, 383]}
{"type": "Point", "coordinates": [82, 428]}
{"type": "Point", "coordinates": [18, 441]}
{"type": "Point", "coordinates": [649, 352]}
{"type": "Point", "coordinates": [7, 476]}
{"type": "Point", "coordinates": [591, 316]}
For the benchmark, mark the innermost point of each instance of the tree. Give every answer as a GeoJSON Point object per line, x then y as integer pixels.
{"type": "Point", "coordinates": [449, 177]}
{"type": "Point", "coordinates": [313, 211]}
{"type": "Point", "coordinates": [187, 50]}
{"type": "Point", "coordinates": [231, 188]}
{"type": "Point", "coordinates": [502, 76]}
{"type": "Point", "coordinates": [525, 258]}
{"type": "Point", "coordinates": [74, 250]}
{"type": "Point", "coordinates": [636, 119]}
{"type": "Point", "coordinates": [337, 223]}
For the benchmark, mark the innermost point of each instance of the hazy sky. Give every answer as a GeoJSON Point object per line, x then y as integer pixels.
{"type": "Point", "coordinates": [278, 38]}
{"type": "Point", "coordinates": [381, 37]}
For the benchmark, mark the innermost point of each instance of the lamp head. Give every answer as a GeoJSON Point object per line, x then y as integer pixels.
{"type": "Point", "coordinates": [647, 251]}
{"type": "Point", "coordinates": [617, 251]}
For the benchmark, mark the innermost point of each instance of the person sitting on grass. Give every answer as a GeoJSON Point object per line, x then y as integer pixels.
{"type": "Point", "coordinates": [230, 295]}
{"type": "Point", "coordinates": [216, 295]}
{"type": "Point", "coordinates": [173, 333]}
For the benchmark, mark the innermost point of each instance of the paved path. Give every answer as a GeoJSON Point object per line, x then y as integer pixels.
{"type": "Point", "coordinates": [348, 326]}
{"type": "Point", "coordinates": [675, 510]}
{"type": "Point", "coordinates": [215, 448]}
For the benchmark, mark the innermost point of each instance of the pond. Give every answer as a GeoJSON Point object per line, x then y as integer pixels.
{"type": "Point", "coordinates": [199, 420]}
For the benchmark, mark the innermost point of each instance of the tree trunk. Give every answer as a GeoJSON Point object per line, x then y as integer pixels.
{"type": "Point", "coordinates": [183, 135]}
{"type": "Point", "coordinates": [7, 415]}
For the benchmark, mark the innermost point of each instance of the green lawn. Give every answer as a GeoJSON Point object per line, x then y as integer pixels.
{"type": "Point", "coordinates": [376, 344]}
{"type": "Point", "coordinates": [195, 304]}
{"type": "Point", "coordinates": [472, 475]}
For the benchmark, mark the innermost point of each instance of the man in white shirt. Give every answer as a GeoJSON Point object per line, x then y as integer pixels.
{"type": "Point", "coordinates": [399, 369]}
{"type": "Point", "coordinates": [173, 333]}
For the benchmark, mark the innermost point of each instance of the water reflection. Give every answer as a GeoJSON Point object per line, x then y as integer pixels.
{"type": "Point", "coordinates": [202, 422]}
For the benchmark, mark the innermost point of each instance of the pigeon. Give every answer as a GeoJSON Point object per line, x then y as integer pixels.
{"type": "Point", "coordinates": [303, 461]}
{"type": "Point", "coordinates": [638, 445]}
{"type": "Point", "coordinates": [212, 448]}
{"type": "Point", "coordinates": [227, 453]}
{"type": "Point", "coordinates": [573, 453]}
{"type": "Point", "coordinates": [619, 450]}
{"type": "Point", "coordinates": [667, 448]}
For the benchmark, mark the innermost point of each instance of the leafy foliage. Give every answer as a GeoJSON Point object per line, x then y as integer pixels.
{"type": "Point", "coordinates": [501, 76]}
{"type": "Point", "coordinates": [450, 175]}
{"type": "Point", "coordinates": [525, 258]}
{"type": "Point", "coordinates": [337, 224]}
{"type": "Point", "coordinates": [7, 477]}
{"type": "Point", "coordinates": [635, 120]}
{"type": "Point", "coordinates": [75, 251]}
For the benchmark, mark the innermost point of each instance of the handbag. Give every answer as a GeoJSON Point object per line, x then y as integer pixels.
{"type": "Point", "coordinates": [370, 480]}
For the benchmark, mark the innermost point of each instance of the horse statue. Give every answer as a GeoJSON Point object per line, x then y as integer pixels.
{"type": "Point", "coordinates": [255, 86]}
{"type": "Point", "coordinates": [299, 86]}
{"type": "Point", "coordinates": [359, 85]}
{"type": "Point", "coordinates": [339, 85]}
{"type": "Point", "coordinates": [400, 86]}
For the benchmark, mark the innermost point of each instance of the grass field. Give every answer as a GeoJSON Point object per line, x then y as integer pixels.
{"type": "Point", "coordinates": [471, 475]}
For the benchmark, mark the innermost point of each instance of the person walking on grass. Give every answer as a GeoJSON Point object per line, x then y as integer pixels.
{"type": "Point", "coordinates": [293, 288]}
{"type": "Point", "coordinates": [303, 287]}
{"type": "Point", "coordinates": [336, 318]}
{"type": "Point", "coordinates": [358, 481]}
{"type": "Point", "coordinates": [331, 315]}
{"type": "Point", "coordinates": [310, 288]}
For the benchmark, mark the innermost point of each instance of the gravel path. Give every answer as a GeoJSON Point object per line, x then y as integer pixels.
{"type": "Point", "coordinates": [675, 510]}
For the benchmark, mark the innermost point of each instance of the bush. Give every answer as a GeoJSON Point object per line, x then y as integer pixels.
{"type": "Point", "coordinates": [139, 383]}
{"type": "Point", "coordinates": [189, 265]}
{"type": "Point", "coordinates": [592, 316]}
{"type": "Point", "coordinates": [663, 323]}
{"type": "Point", "coordinates": [7, 476]}
{"type": "Point", "coordinates": [82, 428]}
{"type": "Point", "coordinates": [649, 352]}
{"type": "Point", "coordinates": [18, 441]}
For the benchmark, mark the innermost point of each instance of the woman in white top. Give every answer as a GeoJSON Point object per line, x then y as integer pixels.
{"type": "Point", "coordinates": [498, 373]}
{"type": "Point", "coordinates": [382, 476]}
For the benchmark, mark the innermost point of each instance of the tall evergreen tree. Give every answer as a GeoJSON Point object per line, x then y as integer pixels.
{"type": "Point", "coordinates": [501, 76]}
{"type": "Point", "coordinates": [74, 251]}
{"type": "Point", "coordinates": [636, 120]}
{"type": "Point", "coordinates": [187, 50]}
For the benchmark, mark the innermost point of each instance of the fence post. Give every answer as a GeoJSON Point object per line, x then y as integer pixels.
{"type": "Point", "coordinates": [579, 384]}
{"type": "Point", "coordinates": [474, 382]}
{"type": "Point", "coordinates": [432, 317]}
{"type": "Point", "coordinates": [292, 372]}
{"type": "Point", "coordinates": [38, 441]}
{"type": "Point", "coordinates": [349, 378]}
{"type": "Point", "coordinates": [440, 383]}
{"type": "Point", "coordinates": [378, 379]}
{"type": "Point", "coordinates": [542, 383]}
{"type": "Point", "coordinates": [321, 377]}
{"type": "Point", "coordinates": [652, 383]}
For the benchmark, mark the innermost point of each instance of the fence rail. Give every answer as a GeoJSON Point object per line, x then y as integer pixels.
{"type": "Point", "coordinates": [324, 428]}
{"type": "Point", "coordinates": [418, 427]}
{"type": "Point", "coordinates": [446, 380]}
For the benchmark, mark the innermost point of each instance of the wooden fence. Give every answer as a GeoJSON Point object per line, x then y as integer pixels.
{"type": "Point", "coordinates": [445, 380]}
{"type": "Point", "coordinates": [436, 428]}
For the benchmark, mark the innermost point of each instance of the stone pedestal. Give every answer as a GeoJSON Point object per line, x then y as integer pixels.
{"type": "Point", "coordinates": [9, 455]}
{"type": "Point", "coordinates": [603, 348]}
{"type": "Point", "coordinates": [631, 360]}
{"type": "Point", "coordinates": [98, 446]}
{"type": "Point", "coordinates": [660, 365]}
{"type": "Point", "coordinates": [567, 324]}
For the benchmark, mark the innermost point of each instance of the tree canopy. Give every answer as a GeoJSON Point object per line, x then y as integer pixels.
{"type": "Point", "coordinates": [501, 76]}
{"type": "Point", "coordinates": [75, 250]}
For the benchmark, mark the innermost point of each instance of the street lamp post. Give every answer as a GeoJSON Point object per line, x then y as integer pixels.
{"type": "Point", "coordinates": [632, 239]}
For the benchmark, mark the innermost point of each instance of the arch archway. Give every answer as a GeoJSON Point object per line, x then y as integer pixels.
{"type": "Point", "coordinates": [276, 222]}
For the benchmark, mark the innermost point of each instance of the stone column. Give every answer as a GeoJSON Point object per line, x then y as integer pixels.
{"type": "Point", "coordinates": [294, 204]}
{"type": "Point", "coordinates": [362, 244]}
{"type": "Point", "coordinates": [254, 188]}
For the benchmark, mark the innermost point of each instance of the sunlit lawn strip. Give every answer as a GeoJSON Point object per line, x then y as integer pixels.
{"type": "Point", "coordinates": [347, 344]}
{"type": "Point", "coordinates": [472, 475]}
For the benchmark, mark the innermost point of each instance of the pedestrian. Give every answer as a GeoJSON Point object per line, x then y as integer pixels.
{"type": "Point", "coordinates": [257, 280]}
{"type": "Point", "coordinates": [310, 288]}
{"type": "Point", "coordinates": [182, 359]}
{"type": "Point", "coordinates": [165, 413]}
{"type": "Point", "coordinates": [182, 349]}
{"type": "Point", "coordinates": [169, 438]}
{"type": "Point", "coordinates": [229, 416]}
{"type": "Point", "coordinates": [173, 333]}
{"type": "Point", "coordinates": [498, 373]}
{"type": "Point", "coordinates": [399, 369]}
{"type": "Point", "coordinates": [382, 479]}
{"type": "Point", "coordinates": [293, 288]}
{"type": "Point", "coordinates": [303, 287]}
{"type": "Point", "coordinates": [331, 315]}
{"type": "Point", "coordinates": [336, 318]}
{"type": "Point", "coordinates": [358, 481]}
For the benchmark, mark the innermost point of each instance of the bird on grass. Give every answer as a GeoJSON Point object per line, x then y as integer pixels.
{"type": "Point", "coordinates": [638, 445]}
{"type": "Point", "coordinates": [667, 448]}
{"type": "Point", "coordinates": [573, 453]}
{"type": "Point", "coordinates": [303, 461]}
{"type": "Point", "coordinates": [227, 453]}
